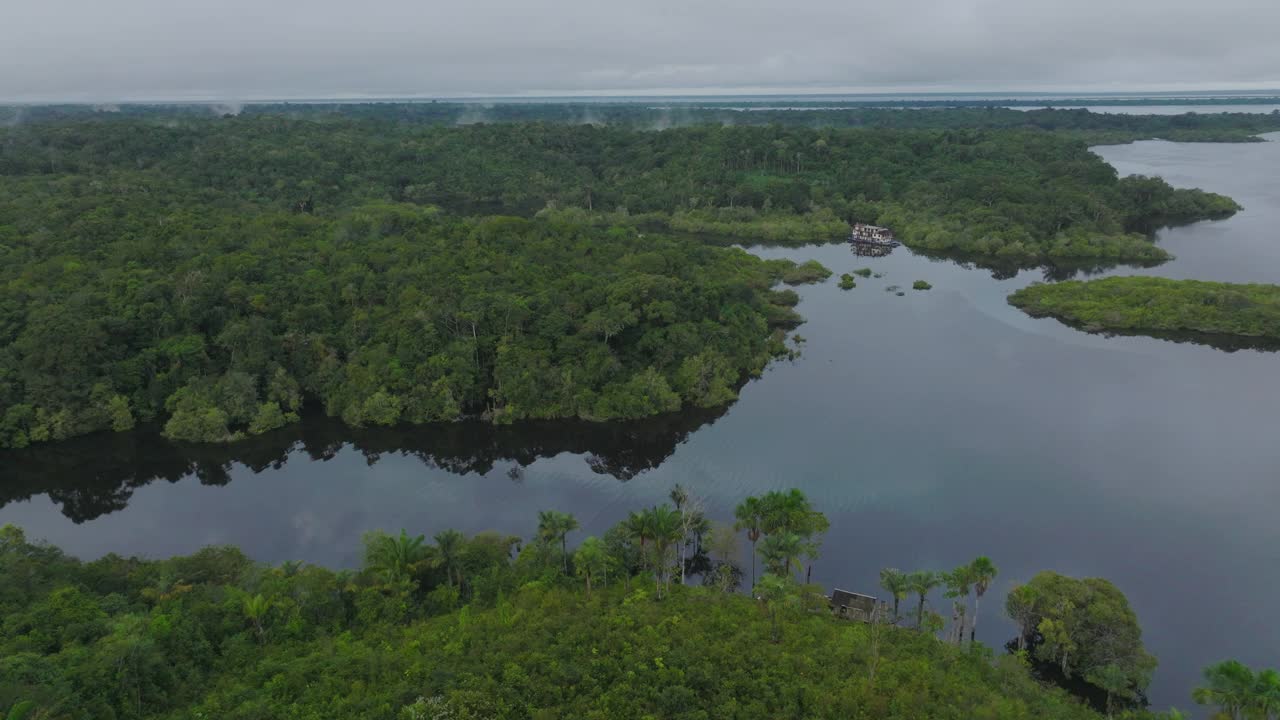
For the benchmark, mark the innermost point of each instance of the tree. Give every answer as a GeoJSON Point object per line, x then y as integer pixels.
{"type": "Point", "coordinates": [450, 544]}
{"type": "Point", "coordinates": [664, 524]}
{"type": "Point", "coordinates": [958, 582]}
{"type": "Point", "coordinates": [394, 557]}
{"type": "Point", "coordinates": [780, 551]}
{"type": "Point", "coordinates": [1082, 626]}
{"type": "Point", "coordinates": [1234, 689]}
{"type": "Point", "coordinates": [749, 516]}
{"type": "Point", "coordinates": [983, 572]}
{"type": "Point", "coordinates": [922, 582]}
{"type": "Point", "coordinates": [896, 583]}
{"type": "Point", "coordinates": [692, 523]}
{"type": "Point", "coordinates": [256, 608]}
{"type": "Point", "coordinates": [591, 561]}
{"type": "Point", "coordinates": [1114, 681]}
{"type": "Point", "coordinates": [774, 591]}
{"type": "Point", "coordinates": [553, 526]}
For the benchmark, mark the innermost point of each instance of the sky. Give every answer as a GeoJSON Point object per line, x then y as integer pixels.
{"type": "Point", "coordinates": [114, 50]}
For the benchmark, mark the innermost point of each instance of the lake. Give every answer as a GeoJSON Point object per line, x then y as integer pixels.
{"type": "Point", "coordinates": [931, 428]}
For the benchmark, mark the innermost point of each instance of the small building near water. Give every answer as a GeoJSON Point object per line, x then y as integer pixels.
{"type": "Point", "coordinates": [856, 606]}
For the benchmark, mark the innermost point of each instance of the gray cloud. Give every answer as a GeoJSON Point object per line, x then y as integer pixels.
{"type": "Point", "coordinates": [149, 49]}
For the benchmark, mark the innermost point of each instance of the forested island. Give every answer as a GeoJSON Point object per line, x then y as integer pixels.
{"type": "Point", "coordinates": [1226, 315]}
{"type": "Point", "coordinates": [646, 620]}
{"type": "Point", "coordinates": [212, 275]}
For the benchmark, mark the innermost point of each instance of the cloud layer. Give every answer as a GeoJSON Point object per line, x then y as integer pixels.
{"type": "Point", "coordinates": [149, 49]}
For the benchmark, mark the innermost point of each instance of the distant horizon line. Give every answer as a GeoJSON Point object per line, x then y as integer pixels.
{"type": "Point", "coordinates": [653, 94]}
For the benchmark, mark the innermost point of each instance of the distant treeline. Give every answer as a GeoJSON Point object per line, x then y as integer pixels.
{"type": "Point", "coordinates": [661, 114]}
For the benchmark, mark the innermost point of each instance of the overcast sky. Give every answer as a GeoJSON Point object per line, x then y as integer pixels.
{"type": "Point", "coordinates": [100, 50]}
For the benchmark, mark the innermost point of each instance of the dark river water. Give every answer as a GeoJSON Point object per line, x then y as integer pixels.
{"type": "Point", "coordinates": [930, 428]}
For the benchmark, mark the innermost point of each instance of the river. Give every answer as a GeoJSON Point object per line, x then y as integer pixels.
{"type": "Point", "coordinates": [930, 427]}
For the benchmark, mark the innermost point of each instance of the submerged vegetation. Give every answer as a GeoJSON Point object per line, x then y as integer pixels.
{"type": "Point", "coordinates": [645, 620]}
{"type": "Point", "coordinates": [1153, 305]}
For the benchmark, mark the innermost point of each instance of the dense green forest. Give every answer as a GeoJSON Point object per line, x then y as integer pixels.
{"type": "Point", "coordinates": [1215, 313]}
{"type": "Point", "coordinates": [644, 621]}
{"type": "Point", "coordinates": [211, 275]}
{"type": "Point", "coordinates": [217, 324]}
{"type": "Point", "coordinates": [665, 113]}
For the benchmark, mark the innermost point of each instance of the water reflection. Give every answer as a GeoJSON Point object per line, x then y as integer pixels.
{"type": "Point", "coordinates": [91, 476]}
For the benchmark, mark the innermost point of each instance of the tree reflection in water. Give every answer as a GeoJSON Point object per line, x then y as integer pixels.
{"type": "Point", "coordinates": [96, 475]}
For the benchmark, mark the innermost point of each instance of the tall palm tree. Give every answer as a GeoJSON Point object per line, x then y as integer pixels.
{"type": "Point", "coordinates": [1230, 685]}
{"type": "Point", "coordinates": [664, 523]}
{"type": "Point", "coordinates": [749, 516]}
{"type": "Point", "coordinates": [959, 582]}
{"type": "Point", "coordinates": [450, 544]}
{"type": "Point", "coordinates": [983, 572]}
{"type": "Point", "coordinates": [894, 581]}
{"type": "Point", "coordinates": [554, 525]}
{"type": "Point", "coordinates": [922, 582]}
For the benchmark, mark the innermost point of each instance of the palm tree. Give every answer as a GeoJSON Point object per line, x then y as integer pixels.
{"type": "Point", "coordinates": [450, 544]}
{"type": "Point", "coordinates": [780, 550]}
{"type": "Point", "coordinates": [664, 524]}
{"type": "Point", "coordinates": [1230, 685]}
{"type": "Point", "coordinates": [553, 525]}
{"type": "Point", "coordinates": [255, 611]}
{"type": "Point", "coordinates": [1266, 693]}
{"type": "Point", "coordinates": [922, 582]}
{"type": "Point", "coordinates": [679, 496]}
{"type": "Point", "coordinates": [958, 583]}
{"type": "Point", "coordinates": [749, 516]}
{"type": "Point", "coordinates": [983, 572]}
{"type": "Point", "coordinates": [393, 557]}
{"type": "Point", "coordinates": [591, 560]}
{"type": "Point", "coordinates": [773, 591]}
{"type": "Point", "coordinates": [894, 581]}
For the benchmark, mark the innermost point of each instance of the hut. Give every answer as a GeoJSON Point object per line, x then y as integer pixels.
{"type": "Point", "coordinates": [855, 606]}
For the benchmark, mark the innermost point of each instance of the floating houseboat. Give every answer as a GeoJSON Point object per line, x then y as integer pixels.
{"type": "Point", "coordinates": [872, 235]}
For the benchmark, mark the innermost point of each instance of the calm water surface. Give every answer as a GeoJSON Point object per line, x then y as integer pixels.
{"type": "Point", "coordinates": [931, 428]}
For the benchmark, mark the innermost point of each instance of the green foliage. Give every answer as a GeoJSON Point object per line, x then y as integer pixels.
{"type": "Point", "coordinates": [921, 285]}
{"type": "Point", "coordinates": [810, 271]}
{"type": "Point", "coordinates": [214, 635]}
{"type": "Point", "coordinates": [1153, 305]}
{"type": "Point", "coordinates": [160, 266]}
{"type": "Point", "coordinates": [410, 319]}
{"type": "Point", "coordinates": [1086, 628]}
{"type": "Point", "coordinates": [847, 282]}
{"type": "Point", "coordinates": [863, 272]}
{"type": "Point", "coordinates": [1238, 692]}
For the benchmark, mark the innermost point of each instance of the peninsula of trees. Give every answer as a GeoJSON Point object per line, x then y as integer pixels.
{"type": "Point", "coordinates": [1223, 314]}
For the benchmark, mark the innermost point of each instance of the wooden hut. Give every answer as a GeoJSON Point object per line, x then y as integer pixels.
{"type": "Point", "coordinates": [854, 606]}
